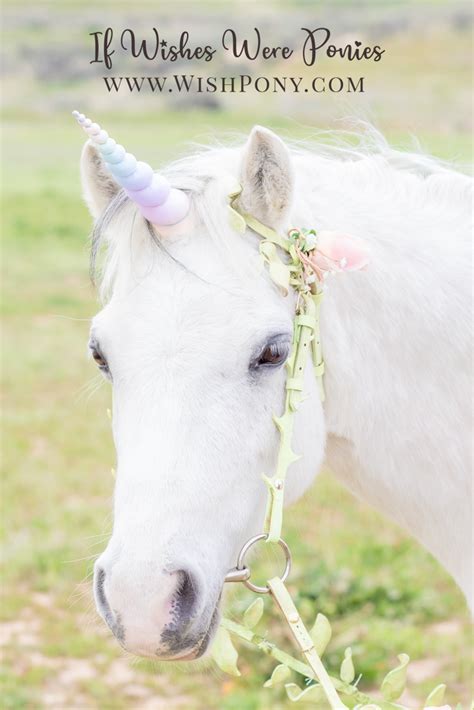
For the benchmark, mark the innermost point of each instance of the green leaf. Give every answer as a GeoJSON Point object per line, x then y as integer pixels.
{"type": "Point", "coordinates": [347, 672]}
{"type": "Point", "coordinates": [253, 613]}
{"type": "Point", "coordinates": [436, 697]}
{"type": "Point", "coordinates": [224, 653]}
{"type": "Point", "coordinates": [279, 675]}
{"type": "Point", "coordinates": [312, 694]}
{"type": "Point", "coordinates": [321, 633]}
{"type": "Point", "coordinates": [279, 272]}
{"type": "Point", "coordinates": [393, 684]}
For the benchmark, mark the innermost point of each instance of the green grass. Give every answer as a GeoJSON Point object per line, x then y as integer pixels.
{"type": "Point", "coordinates": [382, 592]}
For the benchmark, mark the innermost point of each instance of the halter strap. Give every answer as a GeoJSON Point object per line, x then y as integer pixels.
{"type": "Point", "coordinates": [255, 225]}
{"type": "Point", "coordinates": [305, 274]}
{"type": "Point", "coordinates": [267, 233]}
{"type": "Point", "coordinates": [306, 338]}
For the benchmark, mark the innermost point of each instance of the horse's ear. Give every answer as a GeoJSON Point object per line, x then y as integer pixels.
{"type": "Point", "coordinates": [98, 185]}
{"type": "Point", "coordinates": [267, 177]}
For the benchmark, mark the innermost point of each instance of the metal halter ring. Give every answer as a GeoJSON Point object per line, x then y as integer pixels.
{"type": "Point", "coordinates": [241, 573]}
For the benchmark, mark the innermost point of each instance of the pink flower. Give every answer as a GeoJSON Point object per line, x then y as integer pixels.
{"type": "Point", "coordinates": [337, 251]}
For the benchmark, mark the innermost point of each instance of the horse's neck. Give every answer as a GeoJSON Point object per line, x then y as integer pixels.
{"type": "Point", "coordinates": [396, 348]}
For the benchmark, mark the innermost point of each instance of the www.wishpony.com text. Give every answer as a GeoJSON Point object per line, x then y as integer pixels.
{"type": "Point", "coordinates": [241, 84]}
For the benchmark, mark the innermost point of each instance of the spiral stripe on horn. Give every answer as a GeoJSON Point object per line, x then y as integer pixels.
{"type": "Point", "coordinates": [158, 202]}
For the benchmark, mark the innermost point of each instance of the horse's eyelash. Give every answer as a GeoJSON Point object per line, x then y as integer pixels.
{"type": "Point", "coordinates": [277, 344]}
{"type": "Point", "coordinates": [94, 346]}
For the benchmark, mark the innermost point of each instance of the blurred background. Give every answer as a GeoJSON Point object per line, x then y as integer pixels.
{"type": "Point", "coordinates": [382, 592]}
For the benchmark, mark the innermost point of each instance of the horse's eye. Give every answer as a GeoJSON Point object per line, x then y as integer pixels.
{"type": "Point", "coordinates": [274, 353]}
{"type": "Point", "coordinates": [99, 357]}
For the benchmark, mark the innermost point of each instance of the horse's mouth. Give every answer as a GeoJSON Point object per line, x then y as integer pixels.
{"type": "Point", "coordinates": [208, 636]}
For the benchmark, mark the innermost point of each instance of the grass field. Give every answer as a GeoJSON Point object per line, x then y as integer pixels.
{"type": "Point", "coordinates": [383, 593]}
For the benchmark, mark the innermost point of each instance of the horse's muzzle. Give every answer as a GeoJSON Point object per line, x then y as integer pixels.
{"type": "Point", "coordinates": [154, 615]}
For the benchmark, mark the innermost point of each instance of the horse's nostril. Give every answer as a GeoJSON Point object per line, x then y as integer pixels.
{"type": "Point", "coordinates": [185, 598]}
{"type": "Point", "coordinates": [112, 620]}
{"type": "Point", "coordinates": [99, 579]}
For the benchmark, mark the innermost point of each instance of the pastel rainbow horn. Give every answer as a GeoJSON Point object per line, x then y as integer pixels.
{"type": "Point", "coordinates": [158, 202]}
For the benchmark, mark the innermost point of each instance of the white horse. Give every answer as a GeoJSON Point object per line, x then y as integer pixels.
{"type": "Point", "coordinates": [194, 335]}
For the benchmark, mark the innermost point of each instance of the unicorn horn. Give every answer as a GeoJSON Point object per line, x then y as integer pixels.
{"type": "Point", "coordinates": [158, 202]}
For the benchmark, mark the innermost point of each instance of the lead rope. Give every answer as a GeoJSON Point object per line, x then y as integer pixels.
{"type": "Point", "coordinates": [306, 339]}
